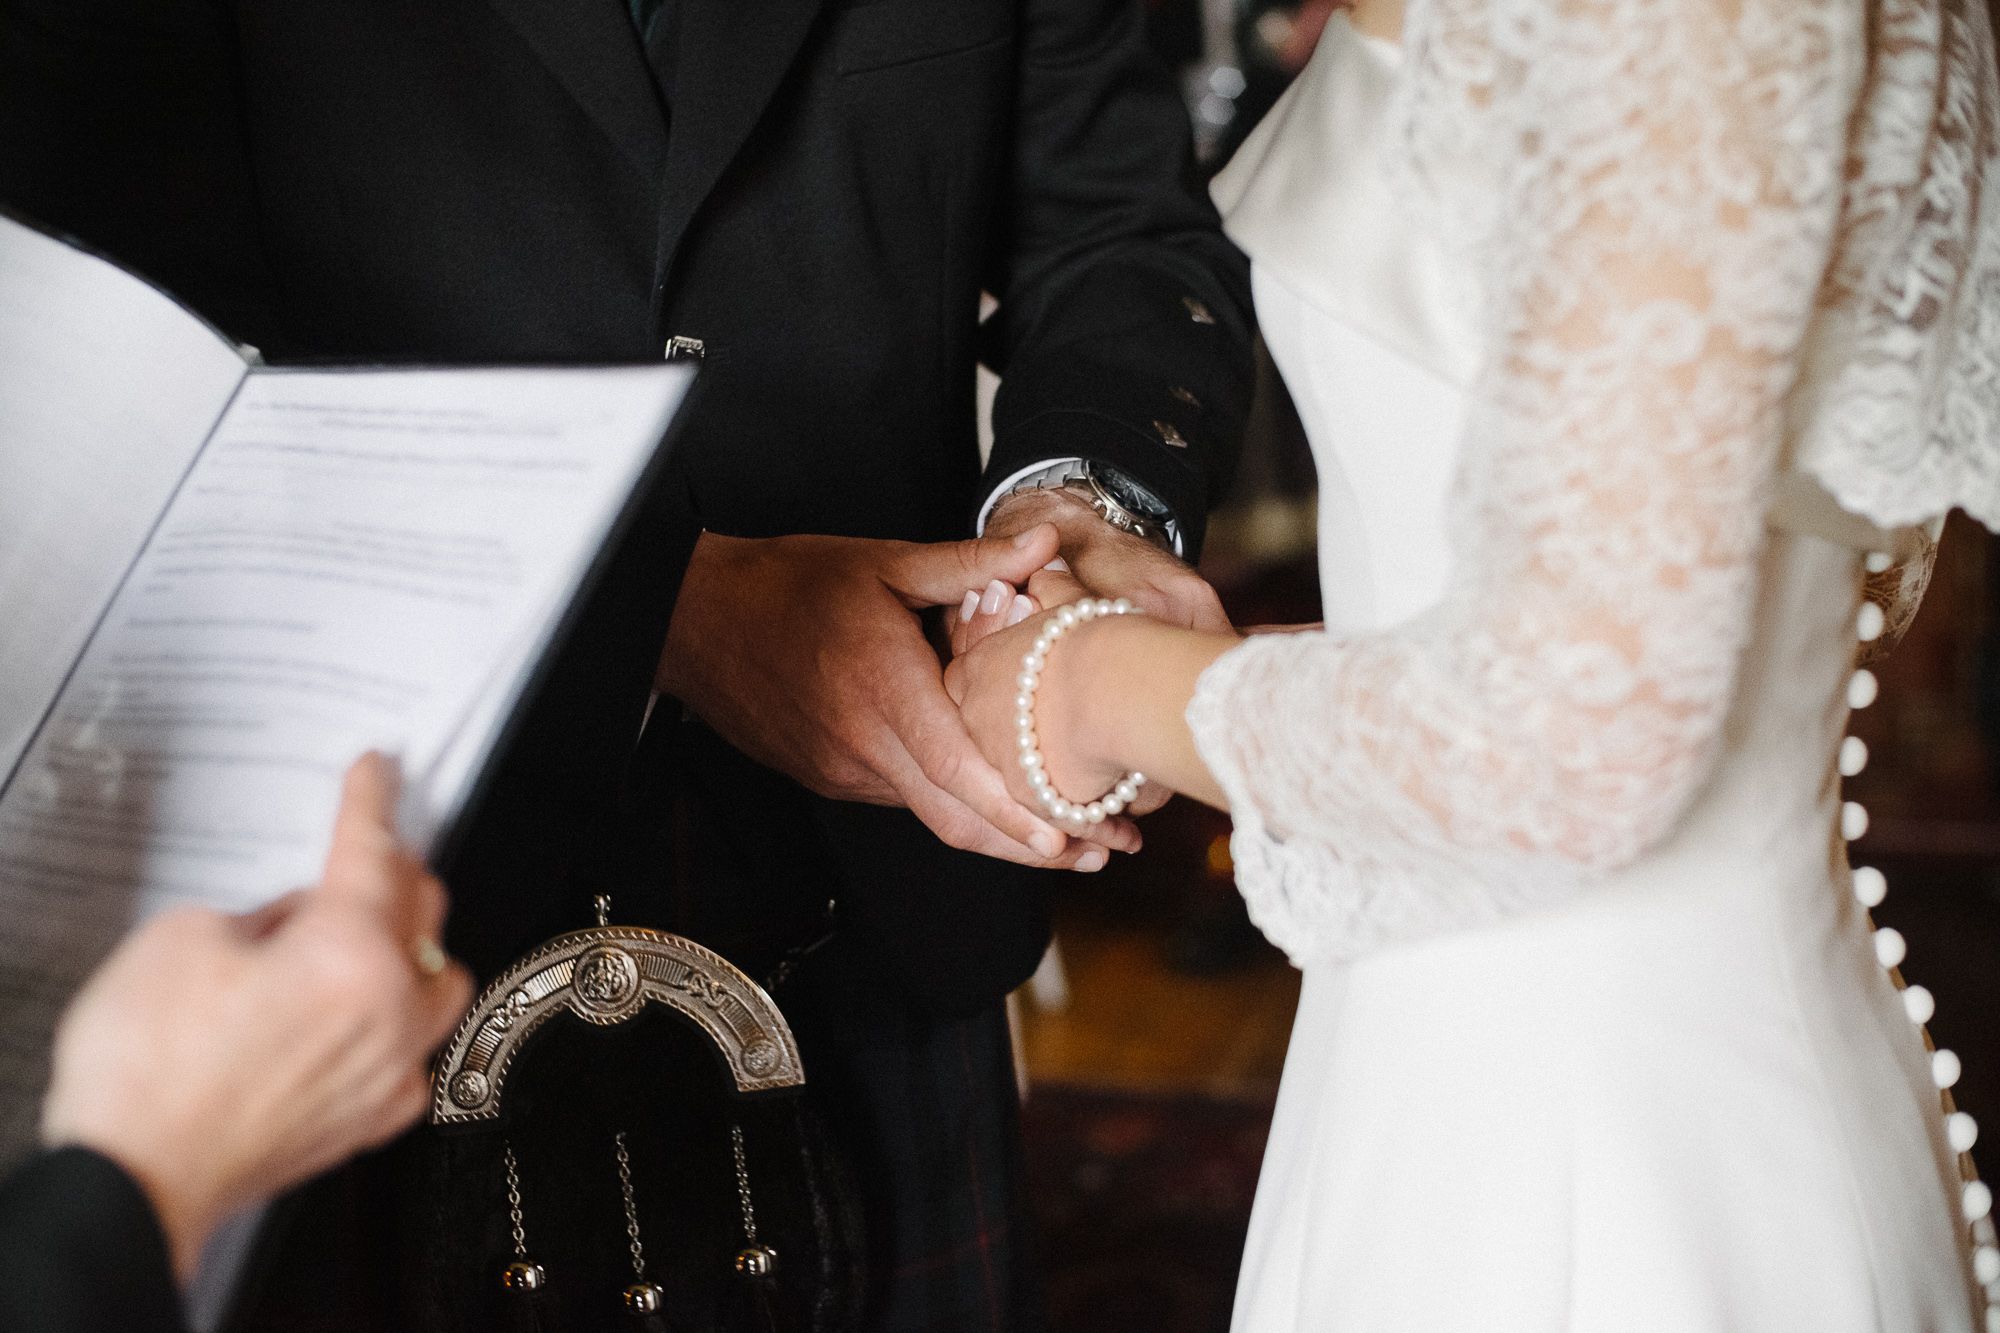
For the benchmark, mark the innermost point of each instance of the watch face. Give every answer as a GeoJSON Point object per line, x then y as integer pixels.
{"type": "Point", "coordinates": [1130, 494]}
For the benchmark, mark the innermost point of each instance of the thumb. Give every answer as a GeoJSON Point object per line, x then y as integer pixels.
{"type": "Point", "coordinates": [362, 864]}
{"type": "Point", "coordinates": [940, 573]}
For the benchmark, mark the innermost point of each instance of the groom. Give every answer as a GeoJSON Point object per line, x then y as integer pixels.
{"type": "Point", "coordinates": [810, 196]}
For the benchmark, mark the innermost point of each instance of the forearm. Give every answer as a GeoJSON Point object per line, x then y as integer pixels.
{"type": "Point", "coordinates": [1124, 330]}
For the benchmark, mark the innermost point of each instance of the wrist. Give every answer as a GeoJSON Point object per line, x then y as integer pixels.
{"type": "Point", "coordinates": [187, 1213]}
{"type": "Point", "coordinates": [681, 654]}
{"type": "Point", "coordinates": [1103, 496]}
{"type": "Point", "coordinates": [1073, 711]}
{"type": "Point", "coordinates": [1021, 510]}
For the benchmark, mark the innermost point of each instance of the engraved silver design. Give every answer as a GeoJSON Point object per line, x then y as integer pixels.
{"type": "Point", "coordinates": [605, 975]}
{"type": "Point", "coordinates": [607, 982]}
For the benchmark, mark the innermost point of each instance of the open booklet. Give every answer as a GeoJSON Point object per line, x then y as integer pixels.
{"type": "Point", "coordinates": [220, 582]}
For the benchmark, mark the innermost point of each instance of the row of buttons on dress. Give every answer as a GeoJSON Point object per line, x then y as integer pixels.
{"type": "Point", "coordinates": [1870, 888]}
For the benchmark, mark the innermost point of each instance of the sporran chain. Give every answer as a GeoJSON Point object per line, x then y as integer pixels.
{"type": "Point", "coordinates": [631, 1209]}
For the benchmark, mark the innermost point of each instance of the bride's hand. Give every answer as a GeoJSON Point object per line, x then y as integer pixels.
{"type": "Point", "coordinates": [985, 682]}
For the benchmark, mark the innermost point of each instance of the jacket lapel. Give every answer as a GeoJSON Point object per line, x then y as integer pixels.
{"type": "Point", "coordinates": [733, 54]}
{"type": "Point", "coordinates": [591, 48]}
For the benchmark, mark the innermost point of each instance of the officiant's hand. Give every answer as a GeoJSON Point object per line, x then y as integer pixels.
{"type": "Point", "coordinates": [221, 1060]}
{"type": "Point", "coordinates": [808, 654]}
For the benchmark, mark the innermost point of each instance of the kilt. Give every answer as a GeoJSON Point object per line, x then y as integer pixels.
{"type": "Point", "coordinates": [928, 1113]}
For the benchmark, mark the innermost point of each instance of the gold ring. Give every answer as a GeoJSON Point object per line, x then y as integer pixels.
{"type": "Point", "coordinates": [430, 955]}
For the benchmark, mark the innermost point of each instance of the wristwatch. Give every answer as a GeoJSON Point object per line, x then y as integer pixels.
{"type": "Point", "coordinates": [1118, 500]}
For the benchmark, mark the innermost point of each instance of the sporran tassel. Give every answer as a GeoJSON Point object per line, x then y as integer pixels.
{"type": "Point", "coordinates": [753, 1300]}
{"type": "Point", "coordinates": [645, 1301]}
{"type": "Point", "coordinates": [524, 1282]}
{"type": "Point", "coordinates": [753, 1296]}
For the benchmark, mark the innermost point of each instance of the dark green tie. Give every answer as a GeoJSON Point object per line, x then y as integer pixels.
{"type": "Point", "coordinates": [643, 14]}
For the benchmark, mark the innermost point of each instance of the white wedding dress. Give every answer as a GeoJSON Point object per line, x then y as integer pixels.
{"type": "Point", "coordinates": [1591, 308]}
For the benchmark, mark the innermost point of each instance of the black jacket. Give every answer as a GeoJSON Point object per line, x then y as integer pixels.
{"type": "Point", "coordinates": [84, 1251]}
{"type": "Point", "coordinates": [495, 180]}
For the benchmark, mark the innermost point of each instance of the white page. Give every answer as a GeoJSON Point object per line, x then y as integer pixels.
{"type": "Point", "coordinates": [355, 560]}
{"type": "Point", "coordinates": [107, 389]}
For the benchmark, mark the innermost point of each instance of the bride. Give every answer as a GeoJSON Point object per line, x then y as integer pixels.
{"type": "Point", "coordinates": [1632, 336]}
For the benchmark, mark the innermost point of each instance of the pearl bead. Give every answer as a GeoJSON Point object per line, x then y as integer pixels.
{"type": "Point", "coordinates": [1869, 622]}
{"type": "Point", "coordinates": [1945, 1068]}
{"type": "Point", "coordinates": [1871, 886]}
{"type": "Point", "coordinates": [1862, 687]}
{"type": "Point", "coordinates": [1853, 821]}
{"type": "Point", "coordinates": [1889, 946]}
{"type": "Point", "coordinates": [1961, 1130]}
{"type": "Point", "coordinates": [1978, 1200]}
{"type": "Point", "coordinates": [1853, 756]}
{"type": "Point", "coordinates": [1993, 1319]}
{"type": "Point", "coordinates": [1878, 562]}
{"type": "Point", "coordinates": [1919, 1004]}
{"type": "Point", "coordinates": [1060, 809]}
{"type": "Point", "coordinates": [1136, 778]}
{"type": "Point", "coordinates": [1986, 1265]}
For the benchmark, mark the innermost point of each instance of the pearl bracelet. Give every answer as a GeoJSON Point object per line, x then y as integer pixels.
{"type": "Point", "coordinates": [1075, 813]}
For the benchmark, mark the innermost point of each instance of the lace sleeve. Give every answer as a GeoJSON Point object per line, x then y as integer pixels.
{"type": "Point", "coordinates": [1662, 181]}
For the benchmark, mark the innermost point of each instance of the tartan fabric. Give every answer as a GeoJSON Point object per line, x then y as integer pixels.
{"type": "Point", "coordinates": [929, 1115]}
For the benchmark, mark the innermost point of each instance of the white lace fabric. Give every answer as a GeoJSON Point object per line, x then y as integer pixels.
{"type": "Point", "coordinates": [1714, 238]}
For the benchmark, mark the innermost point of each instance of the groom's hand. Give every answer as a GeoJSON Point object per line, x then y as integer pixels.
{"type": "Point", "coordinates": [1101, 561]}
{"type": "Point", "coordinates": [808, 654]}
{"type": "Point", "coordinates": [1097, 560]}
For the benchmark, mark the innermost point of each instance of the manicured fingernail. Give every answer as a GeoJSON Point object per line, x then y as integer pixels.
{"type": "Point", "coordinates": [1024, 540]}
{"type": "Point", "coordinates": [1059, 565]}
{"type": "Point", "coordinates": [1093, 860]}
{"type": "Point", "coordinates": [1047, 842]}
{"type": "Point", "coordinates": [970, 605]}
{"type": "Point", "coordinates": [1020, 610]}
{"type": "Point", "coordinates": [995, 598]}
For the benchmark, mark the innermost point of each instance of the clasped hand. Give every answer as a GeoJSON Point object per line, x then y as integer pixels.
{"type": "Point", "coordinates": [989, 643]}
{"type": "Point", "coordinates": [811, 655]}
